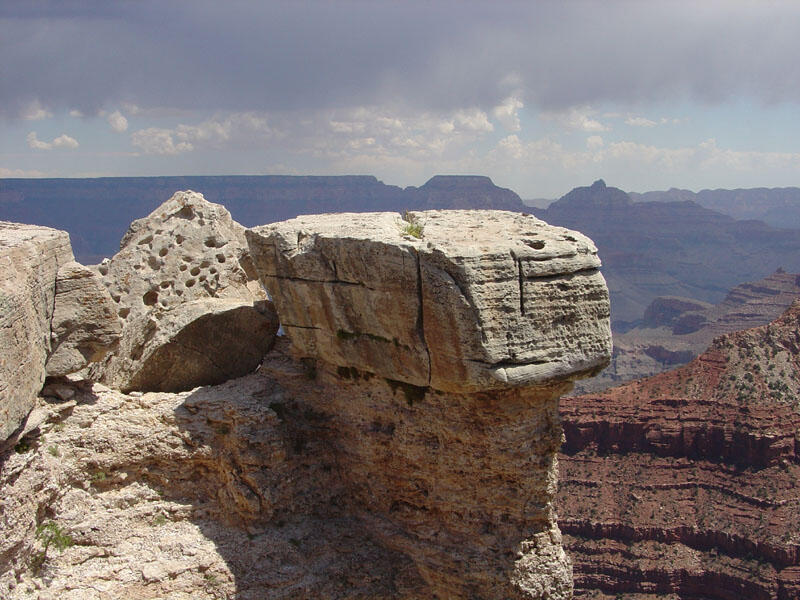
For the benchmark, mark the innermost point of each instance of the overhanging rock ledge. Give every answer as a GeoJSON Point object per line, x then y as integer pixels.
{"type": "Point", "coordinates": [438, 364]}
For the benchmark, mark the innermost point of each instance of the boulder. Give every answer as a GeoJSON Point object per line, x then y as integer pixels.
{"type": "Point", "coordinates": [484, 299]}
{"type": "Point", "coordinates": [186, 251]}
{"type": "Point", "coordinates": [203, 342]}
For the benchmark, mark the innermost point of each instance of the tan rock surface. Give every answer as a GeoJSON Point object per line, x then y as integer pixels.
{"type": "Point", "coordinates": [186, 250]}
{"type": "Point", "coordinates": [199, 495]}
{"type": "Point", "coordinates": [485, 298]}
{"type": "Point", "coordinates": [30, 257]}
{"type": "Point", "coordinates": [85, 326]}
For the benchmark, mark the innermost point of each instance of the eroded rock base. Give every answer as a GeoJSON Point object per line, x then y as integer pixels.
{"type": "Point", "coordinates": [203, 494]}
{"type": "Point", "coordinates": [461, 483]}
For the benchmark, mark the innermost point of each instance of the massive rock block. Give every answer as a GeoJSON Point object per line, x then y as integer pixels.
{"type": "Point", "coordinates": [485, 299]}
{"type": "Point", "coordinates": [187, 250]}
{"type": "Point", "coordinates": [30, 257]}
{"type": "Point", "coordinates": [434, 365]}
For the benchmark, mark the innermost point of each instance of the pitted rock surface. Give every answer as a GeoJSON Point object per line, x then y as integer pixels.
{"type": "Point", "coordinates": [186, 250]}
{"type": "Point", "coordinates": [485, 299]}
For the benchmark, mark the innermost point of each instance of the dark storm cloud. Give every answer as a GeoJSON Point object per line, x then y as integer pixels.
{"type": "Point", "coordinates": [262, 56]}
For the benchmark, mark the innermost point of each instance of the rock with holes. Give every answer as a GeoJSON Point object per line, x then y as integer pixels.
{"type": "Point", "coordinates": [188, 249]}
{"type": "Point", "coordinates": [483, 299]}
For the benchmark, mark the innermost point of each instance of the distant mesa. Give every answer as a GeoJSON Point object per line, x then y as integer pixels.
{"type": "Point", "coordinates": [114, 202]}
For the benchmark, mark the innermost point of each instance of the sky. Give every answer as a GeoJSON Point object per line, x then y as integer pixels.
{"type": "Point", "coordinates": [540, 96]}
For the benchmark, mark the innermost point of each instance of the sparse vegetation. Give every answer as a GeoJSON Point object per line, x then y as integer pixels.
{"type": "Point", "coordinates": [54, 451]}
{"type": "Point", "coordinates": [412, 225]}
{"type": "Point", "coordinates": [50, 534]}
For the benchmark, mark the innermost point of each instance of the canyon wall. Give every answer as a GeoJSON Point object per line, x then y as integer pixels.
{"type": "Point", "coordinates": [686, 483]}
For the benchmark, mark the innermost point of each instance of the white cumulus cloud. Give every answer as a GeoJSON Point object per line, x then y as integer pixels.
{"type": "Point", "coordinates": [62, 141]}
{"type": "Point", "coordinates": [154, 140]}
{"type": "Point", "coordinates": [507, 113]}
{"type": "Point", "coordinates": [34, 111]}
{"type": "Point", "coordinates": [640, 122]}
{"type": "Point", "coordinates": [594, 142]}
{"type": "Point", "coordinates": [579, 118]}
{"type": "Point", "coordinates": [118, 121]}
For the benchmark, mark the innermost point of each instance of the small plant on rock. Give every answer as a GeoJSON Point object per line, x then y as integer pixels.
{"type": "Point", "coordinates": [412, 225]}
{"type": "Point", "coordinates": [50, 534]}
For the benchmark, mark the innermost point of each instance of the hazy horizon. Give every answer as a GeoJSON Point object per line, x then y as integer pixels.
{"type": "Point", "coordinates": [541, 97]}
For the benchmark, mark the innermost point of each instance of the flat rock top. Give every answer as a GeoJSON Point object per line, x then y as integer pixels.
{"type": "Point", "coordinates": [465, 233]}
{"type": "Point", "coordinates": [12, 234]}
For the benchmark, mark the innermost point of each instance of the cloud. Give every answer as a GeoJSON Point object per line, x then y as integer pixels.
{"type": "Point", "coordinates": [215, 132]}
{"type": "Point", "coordinates": [62, 141]}
{"type": "Point", "coordinates": [641, 122]}
{"type": "Point", "coordinates": [118, 122]}
{"type": "Point", "coordinates": [34, 111]}
{"type": "Point", "coordinates": [4, 172]}
{"type": "Point", "coordinates": [506, 113]}
{"type": "Point", "coordinates": [594, 142]}
{"type": "Point", "coordinates": [347, 54]}
{"type": "Point", "coordinates": [159, 141]}
{"type": "Point", "coordinates": [576, 118]}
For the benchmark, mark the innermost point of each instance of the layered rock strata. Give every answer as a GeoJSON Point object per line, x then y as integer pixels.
{"type": "Point", "coordinates": [54, 316]}
{"type": "Point", "coordinates": [193, 313]}
{"type": "Point", "coordinates": [433, 365]}
{"type": "Point", "coordinates": [685, 484]}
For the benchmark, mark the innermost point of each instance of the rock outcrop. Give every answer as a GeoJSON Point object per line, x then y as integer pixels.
{"type": "Point", "coordinates": [685, 483]}
{"type": "Point", "coordinates": [209, 494]}
{"type": "Point", "coordinates": [53, 316]}
{"type": "Point", "coordinates": [437, 363]}
{"type": "Point", "coordinates": [192, 310]}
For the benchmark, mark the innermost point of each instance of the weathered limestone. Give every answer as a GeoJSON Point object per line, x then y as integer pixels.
{"type": "Point", "coordinates": [54, 316]}
{"type": "Point", "coordinates": [437, 365]}
{"type": "Point", "coordinates": [85, 325]}
{"type": "Point", "coordinates": [30, 257]}
{"type": "Point", "coordinates": [203, 342]}
{"type": "Point", "coordinates": [185, 251]}
{"type": "Point", "coordinates": [486, 299]}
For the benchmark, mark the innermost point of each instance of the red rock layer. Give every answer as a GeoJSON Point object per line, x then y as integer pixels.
{"type": "Point", "coordinates": [684, 485]}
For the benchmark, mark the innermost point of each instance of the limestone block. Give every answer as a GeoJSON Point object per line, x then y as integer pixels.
{"type": "Point", "coordinates": [85, 326]}
{"type": "Point", "coordinates": [484, 299]}
{"type": "Point", "coordinates": [186, 251]}
{"type": "Point", "coordinates": [30, 257]}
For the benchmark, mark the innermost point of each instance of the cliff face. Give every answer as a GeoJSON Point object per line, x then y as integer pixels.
{"type": "Point", "coordinates": [685, 483]}
{"type": "Point", "coordinates": [439, 361]}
